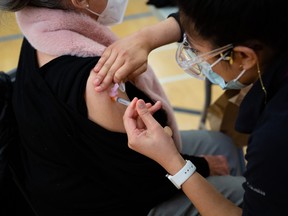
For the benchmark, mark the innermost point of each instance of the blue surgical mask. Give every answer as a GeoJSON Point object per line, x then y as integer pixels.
{"type": "Point", "coordinates": [218, 80]}
{"type": "Point", "coordinates": [198, 67]}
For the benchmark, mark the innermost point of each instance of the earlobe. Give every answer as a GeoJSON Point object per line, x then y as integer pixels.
{"type": "Point", "coordinates": [79, 3]}
{"type": "Point", "coordinates": [248, 56]}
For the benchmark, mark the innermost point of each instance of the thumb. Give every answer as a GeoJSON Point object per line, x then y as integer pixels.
{"type": "Point", "coordinates": [145, 114]}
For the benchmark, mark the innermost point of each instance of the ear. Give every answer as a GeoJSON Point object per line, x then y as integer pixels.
{"type": "Point", "coordinates": [79, 3]}
{"type": "Point", "coordinates": [247, 56]}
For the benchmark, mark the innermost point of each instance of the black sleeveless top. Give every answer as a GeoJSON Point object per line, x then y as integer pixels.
{"type": "Point", "coordinates": [71, 165]}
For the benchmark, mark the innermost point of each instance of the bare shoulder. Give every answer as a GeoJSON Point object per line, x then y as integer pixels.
{"type": "Point", "coordinates": [101, 109]}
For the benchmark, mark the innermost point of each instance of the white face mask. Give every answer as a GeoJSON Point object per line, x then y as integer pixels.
{"type": "Point", "coordinates": [113, 13]}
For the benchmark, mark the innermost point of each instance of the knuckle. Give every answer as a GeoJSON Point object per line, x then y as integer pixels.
{"type": "Point", "coordinates": [106, 67]}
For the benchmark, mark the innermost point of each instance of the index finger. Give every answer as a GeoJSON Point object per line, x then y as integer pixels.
{"type": "Point", "coordinates": [104, 57]}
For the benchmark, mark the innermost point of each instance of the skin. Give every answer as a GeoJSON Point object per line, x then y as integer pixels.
{"type": "Point", "coordinates": [98, 101]}
{"type": "Point", "coordinates": [243, 58]}
{"type": "Point", "coordinates": [218, 164]}
{"type": "Point", "coordinates": [103, 101]}
{"type": "Point", "coordinates": [119, 62]}
{"type": "Point", "coordinates": [96, 6]}
{"type": "Point", "coordinates": [152, 140]}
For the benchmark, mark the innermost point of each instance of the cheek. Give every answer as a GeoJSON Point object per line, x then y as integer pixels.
{"type": "Point", "coordinates": [225, 71]}
{"type": "Point", "coordinates": [221, 71]}
{"type": "Point", "coordinates": [98, 6]}
{"type": "Point", "coordinates": [249, 77]}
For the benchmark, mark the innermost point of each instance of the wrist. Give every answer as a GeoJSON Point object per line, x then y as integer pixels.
{"type": "Point", "coordinates": [175, 164]}
{"type": "Point", "coordinates": [182, 175]}
{"type": "Point", "coordinates": [145, 36]}
{"type": "Point", "coordinates": [160, 34]}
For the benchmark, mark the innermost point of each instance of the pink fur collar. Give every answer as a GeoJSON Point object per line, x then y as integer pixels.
{"type": "Point", "coordinates": [75, 34]}
{"type": "Point", "coordinates": [57, 32]}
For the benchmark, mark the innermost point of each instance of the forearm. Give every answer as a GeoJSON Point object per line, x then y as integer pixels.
{"type": "Point", "coordinates": [201, 164]}
{"type": "Point", "coordinates": [162, 33]}
{"type": "Point", "coordinates": [203, 195]}
{"type": "Point", "coordinates": [150, 139]}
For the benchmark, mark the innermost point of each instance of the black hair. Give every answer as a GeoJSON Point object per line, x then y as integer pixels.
{"type": "Point", "coordinates": [237, 21]}
{"type": "Point", "coordinates": [15, 5]}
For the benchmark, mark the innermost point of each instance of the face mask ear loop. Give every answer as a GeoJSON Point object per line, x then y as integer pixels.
{"type": "Point", "coordinates": [261, 82]}
{"type": "Point", "coordinates": [218, 60]}
{"type": "Point", "coordinates": [93, 12]}
{"type": "Point", "coordinates": [240, 75]}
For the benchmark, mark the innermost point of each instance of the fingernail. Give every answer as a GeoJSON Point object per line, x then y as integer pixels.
{"type": "Point", "coordinates": [96, 68]}
{"type": "Point", "coordinates": [141, 104]}
{"type": "Point", "coordinates": [122, 87]}
{"type": "Point", "coordinates": [96, 81]}
{"type": "Point", "coordinates": [98, 88]}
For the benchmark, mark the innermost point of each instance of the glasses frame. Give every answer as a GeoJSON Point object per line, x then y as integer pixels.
{"type": "Point", "coordinates": [188, 65]}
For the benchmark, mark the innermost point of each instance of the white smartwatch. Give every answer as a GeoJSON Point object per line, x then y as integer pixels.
{"type": "Point", "coordinates": [182, 175]}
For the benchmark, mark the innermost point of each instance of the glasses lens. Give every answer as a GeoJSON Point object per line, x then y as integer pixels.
{"type": "Point", "coordinates": [187, 60]}
{"type": "Point", "coordinates": [194, 64]}
{"type": "Point", "coordinates": [195, 71]}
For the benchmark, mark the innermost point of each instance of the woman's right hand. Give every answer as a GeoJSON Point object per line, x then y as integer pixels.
{"type": "Point", "coordinates": [122, 60]}
{"type": "Point", "coordinates": [127, 57]}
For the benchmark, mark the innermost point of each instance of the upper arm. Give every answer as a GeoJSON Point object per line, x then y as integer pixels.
{"type": "Point", "coordinates": [101, 109]}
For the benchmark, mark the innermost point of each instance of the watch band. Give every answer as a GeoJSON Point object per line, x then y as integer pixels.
{"type": "Point", "coordinates": [182, 175]}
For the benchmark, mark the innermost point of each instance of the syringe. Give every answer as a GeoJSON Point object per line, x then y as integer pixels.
{"type": "Point", "coordinates": [121, 100]}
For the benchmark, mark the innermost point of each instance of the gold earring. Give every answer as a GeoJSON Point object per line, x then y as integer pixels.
{"type": "Point", "coordinates": [228, 58]}
{"type": "Point", "coordinates": [231, 58]}
{"type": "Point", "coordinates": [261, 82]}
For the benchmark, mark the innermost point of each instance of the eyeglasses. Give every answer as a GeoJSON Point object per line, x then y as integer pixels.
{"type": "Point", "coordinates": [191, 63]}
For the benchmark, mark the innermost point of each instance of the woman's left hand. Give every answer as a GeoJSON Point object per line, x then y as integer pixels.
{"type": "Point", "coordinates": [147, 136]}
